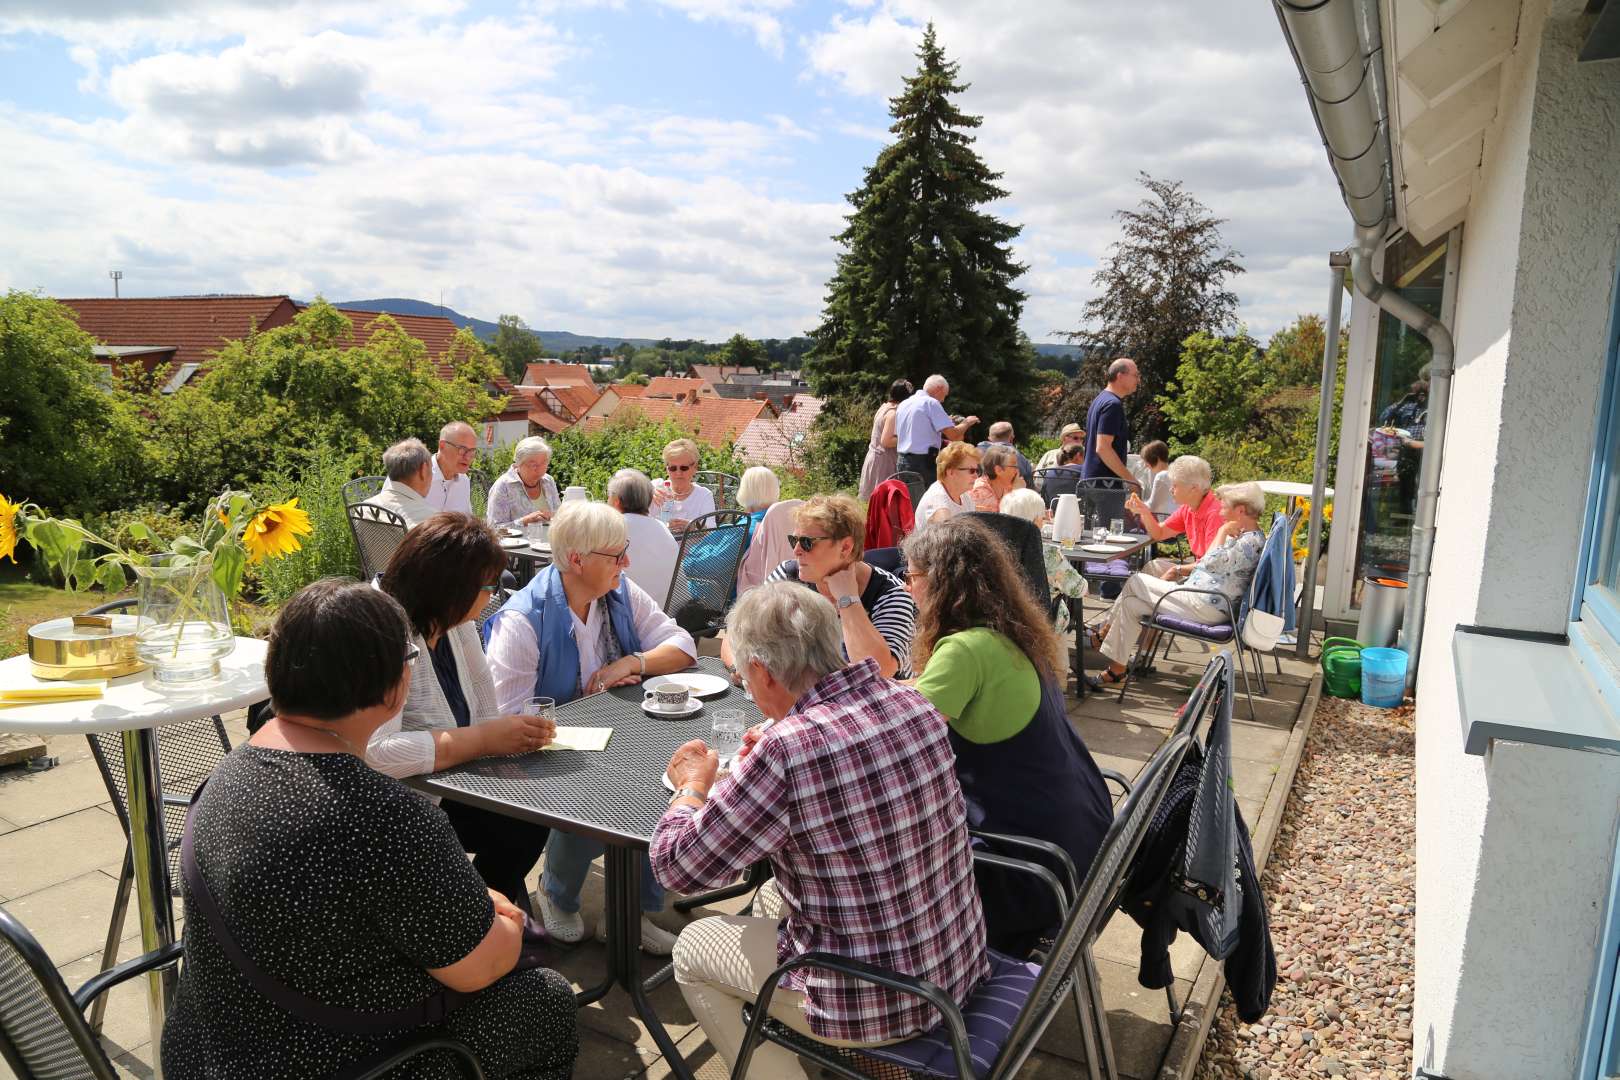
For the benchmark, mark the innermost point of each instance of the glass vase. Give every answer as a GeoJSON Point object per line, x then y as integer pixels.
{"type": "Point", "coordinates": [184, 625]}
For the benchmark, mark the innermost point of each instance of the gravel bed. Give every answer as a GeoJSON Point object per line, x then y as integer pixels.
{"type": "Point", "coordinates": [1340, 883]}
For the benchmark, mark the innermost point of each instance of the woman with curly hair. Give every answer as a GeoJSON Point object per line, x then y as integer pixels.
{"type": "Point", "coordinates": [988, 660]}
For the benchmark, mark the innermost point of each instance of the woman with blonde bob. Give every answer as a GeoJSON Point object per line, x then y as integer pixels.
{"type": "Point", "coordinates": [1225, 568]}
{"type": "Point", "coordinates": [988, 660]}
{"type": "Point", "coordinates": [957, 466]}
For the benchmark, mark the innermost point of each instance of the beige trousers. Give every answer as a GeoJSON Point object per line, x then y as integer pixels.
{"type": "Point", "coordinates": [1135, 604]}
{"type": "Point", "coordinates": [720, 964]}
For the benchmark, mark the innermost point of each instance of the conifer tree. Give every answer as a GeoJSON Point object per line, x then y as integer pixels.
{"type": "Point", "coordinates": [925, 281]}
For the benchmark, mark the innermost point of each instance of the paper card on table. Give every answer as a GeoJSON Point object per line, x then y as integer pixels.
{"type": "Point", "coordinates": [581, 738]}
{"type": "Point", "coordinates": [38, 695]}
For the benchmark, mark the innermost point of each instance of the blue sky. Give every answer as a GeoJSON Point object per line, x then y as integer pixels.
{"type": "Point", "coordinates": [632, 167]}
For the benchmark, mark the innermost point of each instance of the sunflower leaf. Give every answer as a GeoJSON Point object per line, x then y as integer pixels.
{"type": "Point", "coordinates": [110, 576]}
{"type": "Point", "coordinates": [229, 561]}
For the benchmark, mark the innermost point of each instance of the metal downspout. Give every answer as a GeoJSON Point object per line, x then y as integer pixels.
{"type": "Point", "coordinates": [1338, 262]}
{"type": "Point", "coordinates": [1441, 367]}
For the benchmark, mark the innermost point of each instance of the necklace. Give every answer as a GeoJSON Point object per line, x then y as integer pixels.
{"type": "Point", "coordinates": [327, 731]}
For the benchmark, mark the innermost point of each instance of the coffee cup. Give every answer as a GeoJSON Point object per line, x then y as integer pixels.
{"type": "Point", "coordinates": [670, 696]}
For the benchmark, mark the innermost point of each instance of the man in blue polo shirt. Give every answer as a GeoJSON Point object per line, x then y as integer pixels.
{"type": "Point", "coordinates": [921, 426]}
{"type": "Point", "coordinates": [1108, 439]}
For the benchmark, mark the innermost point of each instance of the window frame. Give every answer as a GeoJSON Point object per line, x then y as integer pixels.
{"type": "Point", "coordinates": [1595, 607]}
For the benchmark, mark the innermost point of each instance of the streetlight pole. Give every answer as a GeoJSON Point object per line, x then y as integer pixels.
{"type": "Point", "coordinates": [115, 275]}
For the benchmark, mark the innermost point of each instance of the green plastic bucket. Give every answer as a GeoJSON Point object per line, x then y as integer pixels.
{"type": "Point", "coordinates": [1341, 667]}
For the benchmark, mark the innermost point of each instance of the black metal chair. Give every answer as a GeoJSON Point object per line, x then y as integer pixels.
{"type": "Point", "coordinates": [915, 484]}
{"type": "Point", "coordinates": [1023, 540]}
{"type": "Point", "coordinates": [993, 1038]}
{"type": "Point", "coordinates": [377, 531]}
{"type": "Point", "coordinates": [1103, 499]}
{"type": "Point", "coordinates": [722, 485]}
{"type": "Point", "coordinates": [1054, 482]}
{"type": "Point", "coordinates": [892, 559]}
{"type": "Point", "coordinates": [358, 491]}
{"type": "Point", "coordinates": [187, 753]}
{"type": "Point", "coordinates": [43, 1034]}
{"type": "Point", "coordinates": [705, 578]}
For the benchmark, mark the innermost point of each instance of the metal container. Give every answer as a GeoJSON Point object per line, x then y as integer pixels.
{"type": "Point", "coordinates": [1383, 608]}
{"type": "Point", "coordinates": [84, 647]}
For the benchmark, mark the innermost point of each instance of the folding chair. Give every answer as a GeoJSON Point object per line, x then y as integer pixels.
{"type": "Point", "coordinates": [43, 1034]}
{"type": "Point", "coordinates": [358, 491]}
{"type": "Point", "coordinates": [377, 531]}
{"type": "Point", "coordinates": [705, 577]}
{"type": "Point", "coordinates": [722, 485]}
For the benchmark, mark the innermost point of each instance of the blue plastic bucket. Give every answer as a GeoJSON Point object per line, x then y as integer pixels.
{"type": "Point", "coordinates": [1383, 677]}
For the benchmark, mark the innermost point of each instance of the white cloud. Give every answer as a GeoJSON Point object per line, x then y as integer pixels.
{"type": "Point", "coordinates": [756, 16]}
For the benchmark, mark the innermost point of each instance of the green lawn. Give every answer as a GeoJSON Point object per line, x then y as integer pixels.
{"type": "Point", "coordinates": [24, 602]}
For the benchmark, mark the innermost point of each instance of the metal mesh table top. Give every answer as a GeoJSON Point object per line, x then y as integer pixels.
{"type": "Point", "coordinates": [616, 795]}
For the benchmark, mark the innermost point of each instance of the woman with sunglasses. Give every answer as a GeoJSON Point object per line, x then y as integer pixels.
{"type": "Point", "coordinates": [958, 468]}
{"type": "Point", "coordinates": [876, 614]}
{"type": "Point", "coordinates": [442, 574]}
{"type": "Point", "coordinates": [677, 499]}
{"type": "Point", "coordinates": [579, 627]}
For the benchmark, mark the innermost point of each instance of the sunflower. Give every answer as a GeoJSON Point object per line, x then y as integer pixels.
{"type": "Point", "coordinates": [275, 530]}
{"type": "Point", "coordinates": [8, 528]}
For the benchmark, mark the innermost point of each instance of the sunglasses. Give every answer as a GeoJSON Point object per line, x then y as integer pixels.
{"type": "Point", "coordinates": [805, 543]}
{"type": "Point", "coordinates": [680, 468]}
{"type": "Point", "coordinates": [411, 652]}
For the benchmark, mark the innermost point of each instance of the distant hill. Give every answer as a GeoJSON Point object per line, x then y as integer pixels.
{"type": "Point", "coordinates": [561, 341]}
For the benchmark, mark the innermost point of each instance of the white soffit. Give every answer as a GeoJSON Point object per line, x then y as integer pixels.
{"type": "Point", "coordinates": [1445, 58]}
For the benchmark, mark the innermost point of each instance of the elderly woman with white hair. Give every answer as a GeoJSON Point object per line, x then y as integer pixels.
{"type": "Point", "coordinates": [581, 627]}
{"type": "Point", "coordinates": [1225, 568]}
{"type": "Point", "coordinates": [1198, 512]}
{"type": "Point", "coordinates": [524, 493]}
{"type": "Point", "coordinates": [851, 765]}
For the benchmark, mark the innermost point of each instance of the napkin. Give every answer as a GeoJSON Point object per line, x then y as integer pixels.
{"type": "Point", "coordinates": [581, 738]}
{"type": "Point", "coordinates": [43, 695]}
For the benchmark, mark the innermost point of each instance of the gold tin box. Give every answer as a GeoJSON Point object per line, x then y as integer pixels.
{"type": "Point", "coordinates": [84, 647]}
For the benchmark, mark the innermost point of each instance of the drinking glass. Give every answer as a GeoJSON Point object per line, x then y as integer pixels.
{"type": "Point", "coordinates": [543, 707]}
{"type": "Point", "coordinates": [1117, 526]}
{"type": "Point", "coordinates": [726, 732]}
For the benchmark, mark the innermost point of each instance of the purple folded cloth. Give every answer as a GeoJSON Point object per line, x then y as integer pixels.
{"type": "Point", "coordinates": [1114, 568]}
{"type": "Point", "coordinates": [1218, 632]}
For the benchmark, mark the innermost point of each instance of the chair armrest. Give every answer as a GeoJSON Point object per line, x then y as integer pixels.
{"type": "Point", "coordinates": [1071, 878]}
{"type": "Point", "coordinates": [871, 973]}
{"type": "Point", "coordinates": [1117, 777]}
{"type": "Point", "coordinates": [382, 1065]}
{"type": "Point", "coordinates": [1033, 869]}
{"type": "Point", "coordinates": [181, 801]}
{"type": "Point", "coordinates": [97, 985]}
{"type": "Point", "coordinates": [1222, 601]}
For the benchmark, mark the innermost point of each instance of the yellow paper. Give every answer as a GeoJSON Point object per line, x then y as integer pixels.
{"type": "Point", "coordinates": [581, 738]}
{"type": "Point", "coordinates": [33, 695]}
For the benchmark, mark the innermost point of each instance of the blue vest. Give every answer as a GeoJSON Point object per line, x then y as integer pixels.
{"type": "Point", "coordinates": [543, 602]}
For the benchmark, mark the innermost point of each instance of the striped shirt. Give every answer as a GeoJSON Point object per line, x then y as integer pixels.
{"type": "Point", "coordinates": [853, 798]}
{"type": "Point", "coordinates": [886, 602]}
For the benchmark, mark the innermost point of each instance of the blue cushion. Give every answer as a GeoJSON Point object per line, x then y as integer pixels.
{"type": "Point", "coordinates": [1218, 632]}
{"type": "Point", "coordinates": [989, 1015]}
{"type": "Point", "coordinates": [1114, 568]}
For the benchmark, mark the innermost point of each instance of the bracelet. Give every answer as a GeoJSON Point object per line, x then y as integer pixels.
{"type": "Point", "coordinates": [689, 793]}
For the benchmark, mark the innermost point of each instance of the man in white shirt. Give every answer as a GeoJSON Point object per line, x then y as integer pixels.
{"type": "Point", "coordinates": [409, 470]}
{"type": "Point", "coordinates": [921, 427]}
{"type": "Point", "coordinates": [652, 548]}
{"type": "Point", "coordinates": [451, 490]}
{"type": "Point", "coordinates": [678, 498]}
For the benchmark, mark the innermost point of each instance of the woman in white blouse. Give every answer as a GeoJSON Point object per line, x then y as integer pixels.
{"type": "Point", "coordinates": [581, 627]}
{"type": "Point", "coordinates": [957, 467]}
{"type": "Point", "coordinates": [524, 493]}
{"type": "Point", "coordinates": [442, 573]}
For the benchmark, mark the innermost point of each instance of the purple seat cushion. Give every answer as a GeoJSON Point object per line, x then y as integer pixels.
{"type": "Point", "coordinates": [1114, 568]}
{"type": "Point", "coordinates": [1217, 632]}
{"type": "Point", "coordinates": [989, 1014]}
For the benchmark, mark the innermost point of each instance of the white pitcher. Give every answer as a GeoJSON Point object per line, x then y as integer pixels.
{"type": "Point", "coordinates": [1067, 520]}
{"type": "Point", "coordinates": [575, 493]}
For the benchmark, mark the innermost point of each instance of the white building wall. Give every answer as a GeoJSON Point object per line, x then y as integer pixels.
{"type": "Point", "coordinates": [1514, 849]}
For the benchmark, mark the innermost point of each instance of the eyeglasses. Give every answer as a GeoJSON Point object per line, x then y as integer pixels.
{"type": "Point", "coordinates": [965, 468]}
{"type": "Point", "coordinates": [805, 543]}
{"type": "Point", "coordinates": [680, 468]}
{"type": "Point", "coordinates": [411, 652]}
{"type": "Point", "coordinates": [616, 556]}
{"type": "Point", "coordinates": [457, 446]}
{"type": "Point", "coordinates": [913, 575]}
{"type": "Point", "coordinates": [489, 588]}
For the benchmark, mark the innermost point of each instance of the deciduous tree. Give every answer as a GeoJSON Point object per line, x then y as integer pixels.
{"type": "Point", "coordinates": [516, 346]}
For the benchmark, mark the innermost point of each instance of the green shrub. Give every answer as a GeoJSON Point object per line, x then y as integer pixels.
{"type": "Point", "coordinates": [317, 480]}
{"type": "Point", "coordinates": [590, 457]}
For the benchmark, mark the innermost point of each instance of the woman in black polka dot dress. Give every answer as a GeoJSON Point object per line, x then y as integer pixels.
{"type": "Point", "coordinates": [343, 884]}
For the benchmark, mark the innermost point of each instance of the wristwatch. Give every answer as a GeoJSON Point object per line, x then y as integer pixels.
{"type": "Point", "coordinates": [642, 657]}
{"type": "Point", "coordinates": [847, 601]}
{"type": "Point", "coordinates": [689, 793]}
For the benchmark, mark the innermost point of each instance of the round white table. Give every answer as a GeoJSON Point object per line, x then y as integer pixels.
{"type": "Point", "coordinates": [1291, 488]}
{"type": "Point", "coordinates": [136, 708]}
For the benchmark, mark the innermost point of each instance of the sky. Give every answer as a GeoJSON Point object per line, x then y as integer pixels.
{"type": "Point", "coordinates": [639, 168]}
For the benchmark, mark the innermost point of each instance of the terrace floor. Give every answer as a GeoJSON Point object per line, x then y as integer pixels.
{"type": "Point", "coordinates": [61, 850]}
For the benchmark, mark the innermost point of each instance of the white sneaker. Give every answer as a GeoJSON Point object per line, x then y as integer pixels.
{"type": "Point", "coordinates": [655, 940]}
{"type": "Point", "coordinates": [564, 926]}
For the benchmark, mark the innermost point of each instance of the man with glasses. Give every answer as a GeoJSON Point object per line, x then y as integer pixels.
{"type": "Point", "coordinates": [678, 499]}
{"type": "Point", "coordinates": [451, 489]}
{"type": "Point", "coordinates": [921, 427]}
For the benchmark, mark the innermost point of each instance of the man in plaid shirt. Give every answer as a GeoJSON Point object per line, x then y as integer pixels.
{"type": "Point", "coordinates": [852, 796]}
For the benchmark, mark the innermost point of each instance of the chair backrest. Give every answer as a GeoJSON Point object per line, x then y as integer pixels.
{"type": "Point", "coordinates": [914, 482]}
{"type": "Point", "coordinates": [1023, 540]}
{"type": "Point", "coordinates": [1103, 499]}
{"type": "Point", "coordinates": [480, 478]}
{"type": "Point", "coordinates": [768, 548]}
{"type": "Point", "coordinates": [722, 485]}
{"type": "Point", "coordinates": [42, 1033]}
{"type": "Point", "coordinates": [705, 576]}
{"type": "Point", "coordinates": [358, 491]}
{"type": "Point", "coordinates": [1054, 482]}
{"type": "Point", "coordinates": [892, 559]}
{"type": "Point", "coordinates": [377, 531]}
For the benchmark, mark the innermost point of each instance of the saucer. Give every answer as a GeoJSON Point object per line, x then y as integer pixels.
{"type": "Point", "coordinates": [651, 708]}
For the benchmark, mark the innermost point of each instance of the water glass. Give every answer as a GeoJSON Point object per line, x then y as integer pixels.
{"type": "Point", "coordinates": [536, 531]}
{"type": "Point", "coordinates": [726, 733]}
{"type": "Point", "coordinates": [543, 707]}
{"type": "Point", "coordinates": [1117, 526]}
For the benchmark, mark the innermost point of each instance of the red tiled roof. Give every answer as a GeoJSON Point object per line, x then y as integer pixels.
{"type": "Point", "coordinates": [780, 440]}
{"type": "Point", "coordinates": [434, 331]}
{"type": "Point", "coordinates": [195, 325]}
{"type": "Point", "coordinates": [718, 373]}
{"type": "Point", "coordinates": [716, 420]}
{"type": "Point", "coordinates": [628, 390]}
{"type": "Point", "coordinates": [558, 375]}
{"type": "Point", "coordinates": [669, 386]}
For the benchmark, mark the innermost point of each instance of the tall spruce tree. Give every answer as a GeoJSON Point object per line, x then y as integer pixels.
{"type": "Point", "coordinates": [925, 283]}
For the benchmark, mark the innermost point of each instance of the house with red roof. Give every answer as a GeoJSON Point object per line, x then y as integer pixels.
{"type": "Point", "coordinates": [714, 420]}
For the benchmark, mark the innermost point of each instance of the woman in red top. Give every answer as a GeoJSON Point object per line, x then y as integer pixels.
{"type": "Point", "coordinates": [1197, 514]}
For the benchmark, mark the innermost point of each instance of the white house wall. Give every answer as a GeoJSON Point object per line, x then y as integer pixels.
{"type": "Point", "coordinates": [1514, 849]}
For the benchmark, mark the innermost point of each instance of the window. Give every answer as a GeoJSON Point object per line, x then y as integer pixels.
{"type": "Point", "coordinates": [1597, 593]}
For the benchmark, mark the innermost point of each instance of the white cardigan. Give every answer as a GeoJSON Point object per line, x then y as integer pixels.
{"type": "Point", "coordinates": [404, 745]}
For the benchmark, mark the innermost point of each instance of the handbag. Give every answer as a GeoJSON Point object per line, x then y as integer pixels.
{"type": "Point", "coordinates": [431, 1011]}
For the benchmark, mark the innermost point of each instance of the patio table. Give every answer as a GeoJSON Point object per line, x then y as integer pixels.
{"type": "Point", "coordinates": [616, 796]}
{"type": "Point", "coordinates": [527, 561]}
{"type": "Point", "coordinates": [134, 706]}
